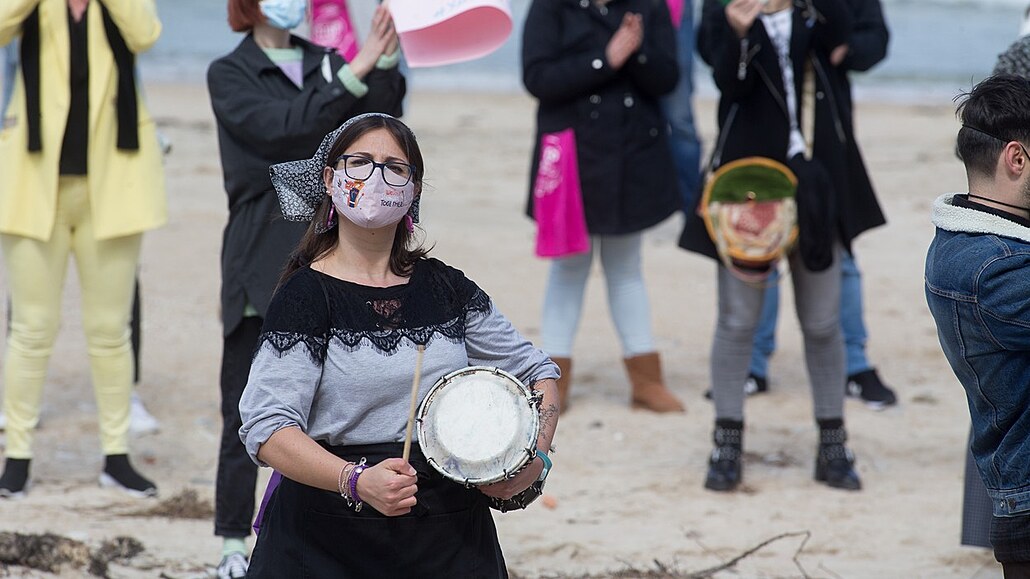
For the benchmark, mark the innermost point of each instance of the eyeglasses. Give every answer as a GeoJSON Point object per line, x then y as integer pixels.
{"type": "Point", "coordinates": [360, 168]}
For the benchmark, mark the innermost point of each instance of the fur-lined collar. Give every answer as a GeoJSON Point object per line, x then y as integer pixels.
{"type": "Point", "coordinates": [951, 217]}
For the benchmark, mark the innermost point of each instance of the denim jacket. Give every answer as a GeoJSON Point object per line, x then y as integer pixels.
{"type": "Point", "coordinates": [978, 289]}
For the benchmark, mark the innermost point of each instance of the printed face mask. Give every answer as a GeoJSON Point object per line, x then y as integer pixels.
{"type": "Point", "coordinates": [371, 203]}
{"type": "Point", "coordinates": [284, 14]}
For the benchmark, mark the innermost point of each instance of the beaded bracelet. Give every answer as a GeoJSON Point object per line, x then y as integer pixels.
{"type": "Point", "coordinates": [339, 482]}
{"type": "Point", "coordinates": [352, 484]}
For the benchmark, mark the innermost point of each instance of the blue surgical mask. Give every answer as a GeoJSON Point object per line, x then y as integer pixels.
{"type": "Point", "coordinates": [284, 14]}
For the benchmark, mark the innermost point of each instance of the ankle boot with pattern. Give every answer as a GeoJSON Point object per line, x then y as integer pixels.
{"type": "Point", "coordinates": [835, 463]}
{"type": "Point", "coordinates": [564, 383]}
{"type": "Point", "coordinates": [724, 465]}
{"type": "Point", "coordinates": [649, 391]}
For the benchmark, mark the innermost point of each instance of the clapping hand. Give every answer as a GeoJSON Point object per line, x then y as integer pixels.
{"type": "Point", "coordinates": [741, 15]}
{"type": "Point", "coordinates": [626, 40]}
{"type": "Point", "coordinates": [382, 40]}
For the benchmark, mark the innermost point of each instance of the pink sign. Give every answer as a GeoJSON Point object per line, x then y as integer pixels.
{"type": "Point", "coordinates": [438, 32]}
{"type": "Point", "coordinates": [330, 26]}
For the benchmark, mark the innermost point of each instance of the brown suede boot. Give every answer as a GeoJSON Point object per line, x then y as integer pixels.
{"type": "Point", "coordinates": [649, 391]}
{"type": "Point", "coordinates": [565, 365]}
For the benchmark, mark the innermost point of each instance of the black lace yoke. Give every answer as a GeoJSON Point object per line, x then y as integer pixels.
{"type": "Point", "coordinates": [313, 309]}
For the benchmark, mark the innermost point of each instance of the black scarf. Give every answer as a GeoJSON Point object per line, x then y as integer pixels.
{"type": "Point", "coordinates": [125, 60]}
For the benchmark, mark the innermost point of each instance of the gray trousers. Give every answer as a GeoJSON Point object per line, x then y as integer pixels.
{"type": "Point", "coordinates": [817, 301]}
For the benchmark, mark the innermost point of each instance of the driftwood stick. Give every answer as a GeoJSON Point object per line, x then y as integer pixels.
{"type": "Point", "coordinates": [705, 573]}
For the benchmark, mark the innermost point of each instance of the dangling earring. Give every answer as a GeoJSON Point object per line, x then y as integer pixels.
{"type": "Point", "coordinates": [329, 224]}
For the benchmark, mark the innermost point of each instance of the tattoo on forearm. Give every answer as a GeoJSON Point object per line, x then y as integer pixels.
{"type": "Point", "coordinates": [549, 417]}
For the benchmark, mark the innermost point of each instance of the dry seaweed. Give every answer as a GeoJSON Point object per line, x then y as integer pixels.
{"type": "Point", "coordinates": [52, 553]}
{"type": "Point", "coordinates": [184, 505]}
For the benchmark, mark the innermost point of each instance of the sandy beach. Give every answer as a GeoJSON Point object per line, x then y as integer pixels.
{"type": "Point", "coordinates": [627, 484]}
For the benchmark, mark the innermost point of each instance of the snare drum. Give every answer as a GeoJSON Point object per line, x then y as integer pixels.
{"type": "Point", "coordinates": [478, 425]}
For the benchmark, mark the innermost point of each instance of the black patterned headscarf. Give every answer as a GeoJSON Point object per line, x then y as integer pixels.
{"type": "Point", "coordinates": [299, 184]}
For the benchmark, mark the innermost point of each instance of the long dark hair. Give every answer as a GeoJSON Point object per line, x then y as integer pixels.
{"type": "Point", "coordinates": [406, 249]}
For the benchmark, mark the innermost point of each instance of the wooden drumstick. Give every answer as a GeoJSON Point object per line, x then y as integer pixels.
{"type": "Point", "coordinates": [414, 398]}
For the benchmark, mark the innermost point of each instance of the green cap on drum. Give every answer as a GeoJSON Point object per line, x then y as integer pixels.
{"type": "Point", "coordinates": [752, 179]}
{"type": "Point", "coordinates": [749, 209]}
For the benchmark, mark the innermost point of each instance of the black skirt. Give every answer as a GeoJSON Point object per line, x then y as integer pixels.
{"type": "Point", "coordinates": [312, 533]}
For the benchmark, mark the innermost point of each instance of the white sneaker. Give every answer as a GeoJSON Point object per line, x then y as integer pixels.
{"type": "Point", "coordinates": [141, 422]}
{"type": "Point", "coordinates": [233, 566]}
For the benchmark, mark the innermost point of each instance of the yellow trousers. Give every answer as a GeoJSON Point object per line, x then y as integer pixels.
{"type": "Point", "coordinates": [35, 272]}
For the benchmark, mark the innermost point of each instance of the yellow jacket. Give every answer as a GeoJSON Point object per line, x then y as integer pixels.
{"type": "Point", "coordinates": [126, 188]}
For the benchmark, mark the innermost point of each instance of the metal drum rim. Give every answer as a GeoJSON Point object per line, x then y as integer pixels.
{"type": "Point", "coordinates": [438, 385]}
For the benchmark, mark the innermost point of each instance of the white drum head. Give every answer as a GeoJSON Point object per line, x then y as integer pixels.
{"type": "Point", "coordinates": [478, 425]}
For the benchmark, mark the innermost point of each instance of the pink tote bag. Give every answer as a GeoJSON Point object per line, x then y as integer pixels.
{"type": "Point", "coordinates": [675, 11]}
{"type": "Point", "coordinates": [558, 198]}
{"type": "Point", "coordinates": [331, 27]}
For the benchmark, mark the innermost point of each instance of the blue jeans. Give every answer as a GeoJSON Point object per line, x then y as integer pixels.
{"type": "Point", "coordinates": [855, 335]}
{"type": "Point", "coordinates": [678, 108]}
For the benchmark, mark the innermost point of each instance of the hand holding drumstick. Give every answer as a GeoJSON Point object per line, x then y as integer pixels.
{"type": "Point", "coordinates": [389, 487]}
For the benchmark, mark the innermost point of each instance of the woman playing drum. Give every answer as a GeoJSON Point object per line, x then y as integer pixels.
{"type": "Point", "coordinates": [329, 391]}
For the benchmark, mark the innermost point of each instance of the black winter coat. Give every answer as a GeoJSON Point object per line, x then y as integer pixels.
{"type": "Point", "coordinates": [626, 169]}
{"type": "Point", "coordinates": [867, 44]}
{"type": "Point", "coordinates": [753, 118]}
{"type": "Point", "coordinates": [263, 119]}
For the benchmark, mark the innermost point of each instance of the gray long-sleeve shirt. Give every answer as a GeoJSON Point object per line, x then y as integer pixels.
{"type": "Point", "coordinates": [354, 387]}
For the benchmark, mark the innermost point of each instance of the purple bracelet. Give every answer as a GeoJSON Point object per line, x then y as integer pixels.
{"type": "Point", "coordinates": [353, 484]}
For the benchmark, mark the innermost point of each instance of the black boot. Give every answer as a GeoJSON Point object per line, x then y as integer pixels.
{"type": "Point", "coordinates": [724, 469]}
{"type": "Point", "coordinates": [119, 474]}
{"type": "Point", "coordinates": [834, 462]}
{"type": "Point", "coordinates": [15, 478]}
